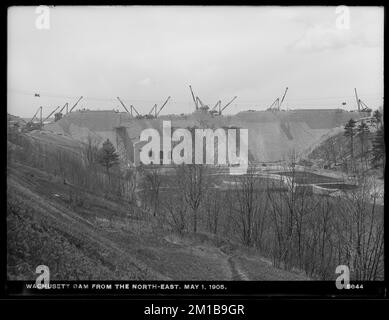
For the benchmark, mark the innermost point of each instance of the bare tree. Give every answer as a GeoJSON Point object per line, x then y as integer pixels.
{"type": "Point", "coordinates": [212, 207]}
{"type": "Point", "coordinates": [153, 184]}
{"type": "Point", "coordinates": [290, 210]}
{"type": "Point", "coordinates": [251, 207]}
{"type": "Point", "coordinates": [193, 185]}
{"type": "Point", "coordinates": [91, 150]}
{"type": "Point", "coordinates": [131, 180]}
{"type": "Point", "coordinates": [362, 226]}
{"type": "Point", "coordinates": [176, 209]}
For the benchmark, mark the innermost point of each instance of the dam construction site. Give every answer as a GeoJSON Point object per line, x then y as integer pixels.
{"type": "Point", "coordinates": [272, 133]}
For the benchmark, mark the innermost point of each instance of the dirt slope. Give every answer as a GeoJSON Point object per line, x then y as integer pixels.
{"type": "Point", "coordinates": [100, 239]}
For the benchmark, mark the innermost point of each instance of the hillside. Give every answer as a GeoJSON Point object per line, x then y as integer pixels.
{"type": "Point", "coordinates": [15, 121]}
{"type": "Point", "coordinates": [86, 233]}
{"type": "Point", "coordinates": [335, 151]}
{"type": "Point", "coordinates": [86, 220]}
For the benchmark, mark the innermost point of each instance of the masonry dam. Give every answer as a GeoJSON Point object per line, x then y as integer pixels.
{"type": "Point", "coordinates": [271, 134]}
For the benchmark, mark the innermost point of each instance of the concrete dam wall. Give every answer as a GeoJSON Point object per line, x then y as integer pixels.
{"type": "Point", "coordinates": [272, 135]}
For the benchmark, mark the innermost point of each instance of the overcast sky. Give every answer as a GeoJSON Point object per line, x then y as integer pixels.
{"type": "Point", "coordinates": [144, 54]}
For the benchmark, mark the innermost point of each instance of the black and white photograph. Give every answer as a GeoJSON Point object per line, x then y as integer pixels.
{"type": "Point", "coordinates": [193, 148]}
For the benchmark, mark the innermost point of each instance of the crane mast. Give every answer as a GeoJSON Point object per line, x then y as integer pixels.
{"type": "Point", "coordinates": [193, 97]}
{"type": "Point", "coordinates": [164, 104]}
{"type": "Point", "coordinates": [133, 108]}
{"type": "Point", "coordinates": [283, 97]}
{"type": "Point", "coordinates": [124, 106]}
{"type": "Point", "coordinates": [357, 99]}
{"type": "Point", "coordinates": [50, 114]}
{"type": "Point", "coordinates": [65, 105]}
{"type": "Point", "coordinates": [222, 109]}
{"type": "Point", "coordinates": [75, 104]}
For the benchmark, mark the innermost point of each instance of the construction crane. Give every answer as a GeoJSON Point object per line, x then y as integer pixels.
{"type": "Point", "coordinates": [31, 122]}
{"type": "Point", "coordinates": [131, 108]}
{"type": "Point", "coordinates": [150, 114]}
{"type": "Point", "coordinates": [39, 109]}
{"type": "Point", "coordinates": [218, 104]}
{"type": "Point", "coordinates": [222, 109]}
{"type": "Point", "coordinates": [163, 105]}
{"type": "Point", "coordinates": [276, 105]}
{"type": "Point", "coordinates": [357, 99]}
{"type": "Point", "coordinates": [361, 103]}
{"type": "Point", "coordinates": [365, 107]}
{"type": "Point", "coordinates": [154, 109]}
{"type": "Point", "coordinates": [59, 113]}
{"type": "Point", "coordinates": [51, 114]}
{"type": "Point", "coordinates": [75, 104]}
{"type": "Point", "coordinates": [217, 109]}
{"type": "Point", "coordinates": [65, 105]}
{"type": "Point", "coordinates": [124, 106]}
{"type": "Point", "coordinates": [193, 96]}
{"type": "Point", "coordinates": [199, 102]}
{"type": "Point", "coordinates": [283, 97]}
